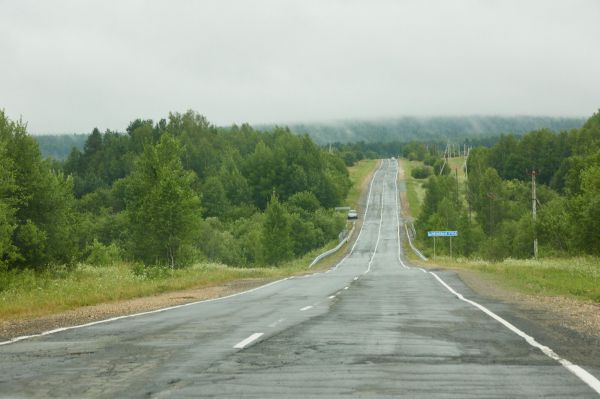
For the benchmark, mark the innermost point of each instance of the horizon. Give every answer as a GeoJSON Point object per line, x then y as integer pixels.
{"type": "Point", "coordinates": [68, 66]}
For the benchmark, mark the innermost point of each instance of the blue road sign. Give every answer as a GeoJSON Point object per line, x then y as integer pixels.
{"type": "Point", "coordinates": [442, 233]}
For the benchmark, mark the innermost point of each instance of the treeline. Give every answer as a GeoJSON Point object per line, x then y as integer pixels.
{"type": "Point", "coordinates": [414, 150]}
{"type": "Point", "coordinates": [168, 193]}
{"type": "Point", "coordinates": [493, 213]}
{"type": "Point", "coordinates": [430, 129]}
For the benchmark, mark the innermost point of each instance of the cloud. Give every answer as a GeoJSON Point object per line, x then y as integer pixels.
{"type": "Point", "coordinates": [69, 66]}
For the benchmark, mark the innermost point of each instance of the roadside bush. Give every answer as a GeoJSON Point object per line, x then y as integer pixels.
{"type": "Point", "coordinates": [102, 255]}
{"type": "Point", "coordinates": [421, 172]}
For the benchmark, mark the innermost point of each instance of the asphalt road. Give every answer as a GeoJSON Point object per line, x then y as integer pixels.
{"type": "Point", "coordinates": [371, 327]}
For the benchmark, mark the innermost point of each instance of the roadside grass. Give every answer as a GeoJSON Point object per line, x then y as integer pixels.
{"type": "Point", "coordinates": [415, 191]}
{"type": "Point", "coordinates": [28, 294]}
{"type": "Point", "coordinates": [577, 278]}
{"type": "Point", "coordinates": [358, 174]}
{"type": "Point", "coordinates": [456, 168]}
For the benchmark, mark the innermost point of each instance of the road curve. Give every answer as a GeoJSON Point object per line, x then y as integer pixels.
{"type": "Point", "coordinates": [372, 327]}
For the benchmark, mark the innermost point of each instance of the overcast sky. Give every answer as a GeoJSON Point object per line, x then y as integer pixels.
{"type": "Point", "coordinates": [68, 66]}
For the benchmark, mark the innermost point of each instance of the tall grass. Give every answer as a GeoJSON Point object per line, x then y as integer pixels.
{"type": "Point", "coordinates": [415, 192]}
{"type": "Point", "coordinates": [358, 173]}
{"type": "Point", "coordinates": [577, 277]}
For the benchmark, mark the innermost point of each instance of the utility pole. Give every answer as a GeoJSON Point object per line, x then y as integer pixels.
{"type": "Point", "coordinates": [534, 211]}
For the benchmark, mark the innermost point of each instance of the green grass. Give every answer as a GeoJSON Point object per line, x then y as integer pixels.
{"type": "Point", "coordinates": [577, 278]}
{"type": "Point", "coordinates": [414, 187]}
{"type": "Point", "coordinates": [358, 173]}
{"type": "Point", "coordinates": [456, 167]}
{"type": "Point", "coordinates": [27, 294]}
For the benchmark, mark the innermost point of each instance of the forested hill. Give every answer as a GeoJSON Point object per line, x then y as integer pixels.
{"type": "Point", "coordinates": [430, 128]}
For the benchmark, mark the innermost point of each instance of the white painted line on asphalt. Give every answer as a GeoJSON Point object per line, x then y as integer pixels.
{"type": "Point", "coordinates": [345, 288]}
{"type": "Point", "coordinates": [275, 323]}
{"type": "Point", "coordinates": [338, 293]}
{"type": "Point", "coordinates": [306, 308]}
{"type": "Point", "coordinates": [331, 296]}
{"type": "Point", "coordinates": [93, 323]}
{"type": "Point", "coordinates": [248, 341]}
{"type": "Point", "coordinates": [366, 212]}
{"type": "Point", "coordinates": [355, 278]}
{"type": "Point", "coordinates": [398, 218]}
{"type": "Point", "coordinates": [583, 375]}
{"type": "Point", "coordinates": [378, 231]}
{"type": "Point", "coordinates": [578, 371]}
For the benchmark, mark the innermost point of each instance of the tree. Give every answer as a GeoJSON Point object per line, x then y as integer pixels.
{"type": "Point", "coordinates": [277, 242]}
{"type": "Point", "coordinates": [8, 251]}
{"type": "Point", "coordinates": [41, 201]}
{"type": "Point", "coordinates": [164, 211]}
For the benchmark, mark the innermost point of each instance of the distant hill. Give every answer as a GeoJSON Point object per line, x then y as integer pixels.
{"type": "Point", "coordinates": [371, 131]}
{"type": "Point", "coordinates": [429, 128]}
{"type": "Point", "coordinates": [59, 146]}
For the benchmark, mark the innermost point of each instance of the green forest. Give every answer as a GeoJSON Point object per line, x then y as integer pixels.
{"type": "Point", "coordinates": [167, 193]}
{"type": "Point", "coordinates": [492, 211]}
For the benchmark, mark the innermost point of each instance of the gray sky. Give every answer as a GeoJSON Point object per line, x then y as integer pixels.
{"type": "Point", "coordinates": [67, 66]}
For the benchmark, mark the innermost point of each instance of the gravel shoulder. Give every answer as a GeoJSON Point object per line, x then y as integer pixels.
{"type": "Point", "coordinates": [553, 311]}
{"type": "Point", "coordinates": [14, 328]}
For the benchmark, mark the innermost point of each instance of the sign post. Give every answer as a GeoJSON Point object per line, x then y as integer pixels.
{"type": "Point", "coordinates": [435, 234]}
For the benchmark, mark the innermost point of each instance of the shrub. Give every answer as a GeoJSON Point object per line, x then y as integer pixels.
{"type": "Point", "coordinates": [421, 172]}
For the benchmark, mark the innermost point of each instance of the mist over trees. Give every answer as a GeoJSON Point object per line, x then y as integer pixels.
{"type": "Point", "coordinates": [428, 128]}
{"type": "Point", "coordinates": [168, 193]}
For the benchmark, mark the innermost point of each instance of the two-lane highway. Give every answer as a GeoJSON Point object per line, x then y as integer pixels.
{"type": "Point", "coordinates": [373, 326]}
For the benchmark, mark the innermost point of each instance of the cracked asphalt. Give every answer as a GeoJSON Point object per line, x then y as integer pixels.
{"type": "Point", "coordinates": [372, 327]}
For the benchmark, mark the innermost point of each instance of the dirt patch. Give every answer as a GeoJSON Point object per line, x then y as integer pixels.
{"type": "Point", "coordinates": [15, 328]}
{"type": "Point", "coordinates": [555, 311]}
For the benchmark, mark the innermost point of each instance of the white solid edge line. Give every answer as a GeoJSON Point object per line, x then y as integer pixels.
{"type": "Point", "coordinates": [247, 341]}
{"type": "Point", "coordinates": [306, 308]}
{"type": "Point", "coordinates": [378, 231]}
{"type": "Point", "coordinates": [583, 375]}
{"type": "Point", "coordinates": [578, 371]}
{"type": "Point", "coordinates": [25, 337]}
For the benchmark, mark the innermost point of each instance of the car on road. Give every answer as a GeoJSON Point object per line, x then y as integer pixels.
{"type": "Point", "coordinates": [352, 214]}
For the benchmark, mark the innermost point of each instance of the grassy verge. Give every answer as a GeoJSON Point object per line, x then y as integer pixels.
{"type": "Point", "coordinates": [414, 187]}
{"type": "Point", "coordinates": [577, 278]}
{"type": "Point", "coordinates": [29, 294]}
{"type": "Point", "coordinates": [358, 174]}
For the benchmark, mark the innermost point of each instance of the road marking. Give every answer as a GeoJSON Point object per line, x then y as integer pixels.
{"type": "Point", "coordinates": [583, 375]}
{"type": "Point", "coordinates": [578, 371]}
{"type": "Point", "coordinates": [366, 211]}
{"type": "Point", "coordinates": [275, 323]}
{"type": "Point", "coordinates": [93, 323]}
{"type": "Point", "coordinates": [355, 278]}
{"type": "Point", "coordinates": [247, 341]}
{"type": "Point", "coordinates": [345, 288]}
{"type": "Point", "coordinates": [332, 296]}
{"type": "Point", "coordinates": [378, 231]}
{"type": "Point", "coordinates": [306, 308]}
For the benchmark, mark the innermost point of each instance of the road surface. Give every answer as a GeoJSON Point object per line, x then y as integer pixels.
{"type": "Point", "coordinates": [372, 327]}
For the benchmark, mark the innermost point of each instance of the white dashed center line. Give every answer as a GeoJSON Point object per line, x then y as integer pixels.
{"type": "Point", "coordinates": [306, 308]}
{"type": "Point", "coordinates": [248, 341]}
